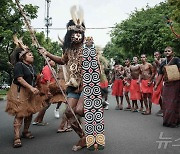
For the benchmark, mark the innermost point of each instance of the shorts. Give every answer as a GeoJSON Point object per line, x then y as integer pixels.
{"type": "Point", "coordinates": [74, 95]}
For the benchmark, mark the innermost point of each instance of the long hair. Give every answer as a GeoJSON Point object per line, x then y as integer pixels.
{"type": "Point", "coordinates": [68, 44]}
{"type": "Point", "coordinates": [14, 57]}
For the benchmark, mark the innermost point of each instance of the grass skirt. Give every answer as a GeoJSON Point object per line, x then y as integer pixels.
{"type": "Point", "coordinates": [23, 103]}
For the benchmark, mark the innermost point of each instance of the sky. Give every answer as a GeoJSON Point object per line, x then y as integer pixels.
{"type": "Point", "coordinates": [97, 14]}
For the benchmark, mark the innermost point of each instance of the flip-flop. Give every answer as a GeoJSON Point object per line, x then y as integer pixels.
{"type": "Point", "coordinates": [145, 113]}
{"type": "Point", "coordinates": [127, 109]}
{"type": "Point", "coordinates": [64, 130]}
{"type": "Point", "coordinates": [135, 110]}
{"type": "Point", "coordinates": [69, 129]}
{"type": "Point", "coordinates": [17, 143]}
{"type": "Point", "coordinates": [42, 124]}
{"type": "Point", "coordinates": [27, 135]}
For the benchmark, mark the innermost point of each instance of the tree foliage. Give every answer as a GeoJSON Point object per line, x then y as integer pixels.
{"type": "Point", "coordinates": [145, 31]}
{"type": "Point", "coordinates": [175, 4]}
{"type": "Point", "coordinates": [11, 22]}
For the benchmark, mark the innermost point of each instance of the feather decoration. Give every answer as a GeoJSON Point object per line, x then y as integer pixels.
{"type": "Point", "coordinates": [77, 15]}
{"type": "Point", "coordinates": [80, 15]}
{"type": "Point", "coordinates": [73, 14]}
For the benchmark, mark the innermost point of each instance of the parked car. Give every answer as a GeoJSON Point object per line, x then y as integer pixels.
{"type": "Point", "coordinates": [5, 86]}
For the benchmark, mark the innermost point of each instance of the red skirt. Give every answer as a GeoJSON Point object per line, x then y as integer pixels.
{"type": "Point", "coordinates": [127, 86]}
{"type": "Point", "coordinates": [117, 88]}
{"type": "Point", "coordinates": [157, 94]}
{"type": "Point", "coordinates": [104, 84]}
{"type": "Point", "coordinates": [145, 88]}
{"type": "Point", "coordinates": [135, 92]}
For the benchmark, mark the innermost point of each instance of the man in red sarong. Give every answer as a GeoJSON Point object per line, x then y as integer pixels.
{"type": "Point", "coordinates": [156, 96]}
{"type": "Point", "coordinates": [146, 78]}
{"type": "Point", "coordinates": [171, 89]}
{"type": "Point", "coordinates": [135, 93]}
{"type": "Point", "coordinates": [117, 88]}
{"type": "Point", "coordinates": [127, 82]}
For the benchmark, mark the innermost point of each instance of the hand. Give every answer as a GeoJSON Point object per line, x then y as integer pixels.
{"type": "Point", "coordinates": [34, 90]}
{"type": "Point", "coordinates": [149, 83]}
{"type": "Point", "coordinates": [138, 82]}
{"type": "Point", "coordinates": [42, 51]}
{"type": "Point", "coordinates": [155, 87]}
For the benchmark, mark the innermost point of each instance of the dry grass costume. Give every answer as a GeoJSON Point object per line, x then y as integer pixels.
{"type": "Point", "coordinates": [23, 98]}
{"type": "Point", "coordinates": [49, 87]}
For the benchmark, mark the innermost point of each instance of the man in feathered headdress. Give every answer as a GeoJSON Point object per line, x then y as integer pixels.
{"type": "Point", "coordinates": [72, 57]}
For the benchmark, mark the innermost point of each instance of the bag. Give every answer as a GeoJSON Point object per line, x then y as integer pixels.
{"type": "Point", "coordinates": [171, 73]}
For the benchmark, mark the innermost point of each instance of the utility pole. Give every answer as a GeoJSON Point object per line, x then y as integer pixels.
{"type": "Point", "coordinates": [48, 20]}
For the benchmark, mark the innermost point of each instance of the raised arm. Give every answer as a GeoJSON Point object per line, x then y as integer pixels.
{"type": "Point", "coordinates": [60, 60]}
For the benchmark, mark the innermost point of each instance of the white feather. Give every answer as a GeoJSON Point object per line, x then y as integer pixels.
{"type": "Point", "coordinates": [80, 15]}
{"type": "Point", "coordinates": [74, 14]}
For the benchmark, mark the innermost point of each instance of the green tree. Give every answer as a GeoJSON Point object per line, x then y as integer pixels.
{"type": "Point", "coordinates": [175, 4]}
{"type": "Point", "coordinates": [11, 22]}
{"type": "Point", "coordinates": [145, 31]}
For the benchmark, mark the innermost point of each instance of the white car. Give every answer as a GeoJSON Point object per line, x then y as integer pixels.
{"type": "Point", "coordinates": [5, 86]}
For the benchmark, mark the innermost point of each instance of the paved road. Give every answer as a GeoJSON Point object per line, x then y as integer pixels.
{"type": "Point", "coordinates": [126, 133]}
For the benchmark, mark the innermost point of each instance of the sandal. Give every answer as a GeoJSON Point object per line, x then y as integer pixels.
{"type": "Point", "coordinates": [146, 113]}
{"type": "Point", "coordinates": [135, 110]}
{"type": "Point", "coordinates": [76, 147]}
{"type": "Point", "coordinates": [127, 109]}
{"type": "Point", "coordinates": [64, 130]}
{"type": "Point", "coordinates": [42, 124]}
{"type": "Point", "coordinates": [27, 135]}
{"type": "Point", "coordinates": [120, 107]}
{"type": "Point", "coordinates": [17, 143]}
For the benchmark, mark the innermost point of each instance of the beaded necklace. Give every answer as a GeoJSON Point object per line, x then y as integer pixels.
{"type": "Point", "coordinates": [31, 71]}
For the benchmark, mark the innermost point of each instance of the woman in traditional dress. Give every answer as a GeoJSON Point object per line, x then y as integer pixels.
{"type": "Point", "coordinates": [171, 89]}
{"type": "Point", "coordinates": [23, 98]}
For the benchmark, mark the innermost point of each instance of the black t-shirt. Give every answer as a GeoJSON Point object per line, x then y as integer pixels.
{"type": "Point", "coordinates": [26, 71]}
{"type": "Point", "coordinates": [174, 61]}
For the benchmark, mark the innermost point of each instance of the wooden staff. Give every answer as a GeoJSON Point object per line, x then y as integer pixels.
{"type": "Point", "coordinates": [169, 22]}
{"type": "Point", "coordinates": [36, 43]}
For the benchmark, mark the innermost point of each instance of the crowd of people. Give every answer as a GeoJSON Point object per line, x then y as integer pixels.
{"type": "Point", "coordinates": [31, 93]}
{"type": "Point", "coordinates": [137, 81]}
{"type": "Point", "coordinates": [157, 83]}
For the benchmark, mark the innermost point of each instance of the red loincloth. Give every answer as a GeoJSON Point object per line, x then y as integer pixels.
{"type": "Point", "coordinates": [157, 94]}
{"type": "Point", "coordinates": [145, 88]}
{"type": "Point", "coordinates": [117, 88]}
{"type": "Point", "coordinates": [135, 93]}
{"type": "Point", "coordinates": [127, 87]}
{"type": "Point", "coordinates": [104, 84]}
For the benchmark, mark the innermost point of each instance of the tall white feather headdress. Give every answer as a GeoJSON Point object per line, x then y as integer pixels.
{"type": "Point", "coordinates": [77, 15]}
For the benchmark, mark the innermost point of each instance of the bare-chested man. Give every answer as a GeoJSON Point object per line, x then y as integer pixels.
{"type": "Point", "coordinates": [127, 82]}
{"type": "Point", "coordinates": [156, 97]}
{"type": "Point", "coordinates": [135, 92]}
{"type": "Point", "coordinates": [146, 79]}
{"type": "Point", "coordinates": [117, 88]}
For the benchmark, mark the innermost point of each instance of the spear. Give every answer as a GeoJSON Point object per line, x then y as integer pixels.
{"type": "Point", "coordinates": [36, 43]}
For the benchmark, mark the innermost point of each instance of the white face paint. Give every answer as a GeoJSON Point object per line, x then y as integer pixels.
{"type": "Point", "coordinates": [76, 38]}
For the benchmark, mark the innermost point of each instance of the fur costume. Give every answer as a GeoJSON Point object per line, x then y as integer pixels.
{"type": "Point", "coordinates": [21, 102]}
{"type": "Point", "coordinates": [73, 45]}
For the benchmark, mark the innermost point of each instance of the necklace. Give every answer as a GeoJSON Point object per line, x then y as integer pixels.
{"type": "Point", "coordinates": [31, 71]}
